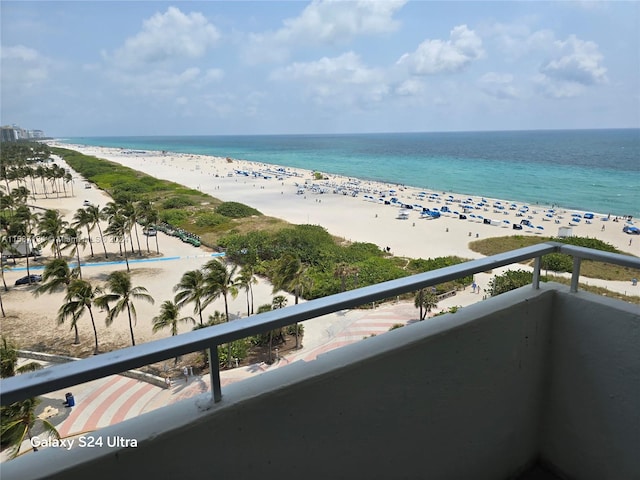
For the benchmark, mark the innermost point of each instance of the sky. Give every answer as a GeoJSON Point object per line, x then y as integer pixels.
{"type": "Point", "coordinates": [115, 68]}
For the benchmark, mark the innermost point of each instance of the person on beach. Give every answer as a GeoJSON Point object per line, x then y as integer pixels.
{"type": "Point", "coordinates": [185, 372]}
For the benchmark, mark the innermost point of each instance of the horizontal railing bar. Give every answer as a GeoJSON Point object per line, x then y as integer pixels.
{"type": "Point", "coordinates": [600, 256]}
{"type": "Point", "coordinates": [66, 375]}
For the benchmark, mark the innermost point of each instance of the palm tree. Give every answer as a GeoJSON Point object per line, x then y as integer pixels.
{"type": "Point", "coordinates": [83, 219]}
{"type": "Point", "coordinates": [73, 242]}
{"type": "Point", "coordinates": [425, 301]}
{"type": "Point", "coordinates": [122, 293]}
{"type": "Point", "coordinates": [128, 211]}
{"type": "Point", "coordinates": [51, 226]}
{"type": "Point", "coordinates": [80, 296]}
{"type": "Point", "coordinates": [26, 221]}
{"type": "Point", "coordinates": [118, 229]}
{"type": "Point", "coordinates": [221, 280]}
{"type": "Point", "coordinates": [19, 418]}
{"type": "Point", "coordinates": [56, 275]}
{"type": "Point", "coordinates": [192, 288]}
{"type": "Point", "coordinates": [143, 212]}
{"type": "Point", "coordinates": [153, 218]}
{"type": "Point", "coordinates": [96, 216]}
{"type": "Point", "coordinates": [5, 246]}
{"type": "Point", "coordinates": [291, 274]}
{"type": "Point", "coordinates": [246, 280]}
{"type": "Point", "coordinates": [169, 318]}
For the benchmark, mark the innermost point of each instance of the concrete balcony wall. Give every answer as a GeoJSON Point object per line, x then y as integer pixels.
{"type": "Point", "coordinates": [480, 394]}
{"type": "Point", "coordinates": [591, 410]}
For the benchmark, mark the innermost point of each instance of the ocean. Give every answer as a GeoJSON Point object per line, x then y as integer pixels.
{"type": "Point", "coordinates": [591, 170]}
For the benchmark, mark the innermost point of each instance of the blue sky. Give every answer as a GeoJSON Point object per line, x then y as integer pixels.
{"type": "Point", "coordinates": [264, 67]}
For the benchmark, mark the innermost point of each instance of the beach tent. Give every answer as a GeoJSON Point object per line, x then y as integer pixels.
{"type": "Point", "coordinates": [564, 232]}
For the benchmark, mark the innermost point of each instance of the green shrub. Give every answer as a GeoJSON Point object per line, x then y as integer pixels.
{"type": "Point", "coordinates": [236, 210]}
{"type": "Point", "coordinates": [557, 262]}
{"type": "Point", "coordinates": [239, 350]}
{"type": "Point", "coordinates": [509, 280]}
{"type": "Point", "coordinates": [179, 201]}
{"type": "Point", "coordinates": [291, 329]}
{"type": "Point", "coordinates": [210, 219]}
{"type": "Point", "coordinates": [173, 217]}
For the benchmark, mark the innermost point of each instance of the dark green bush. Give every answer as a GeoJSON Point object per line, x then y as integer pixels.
{"type": "Point", "coordinates": [177, 202]}
{"type": "Point", "coordinates": [210, 219]}
{"type": "Point", "coordinates": [236, 210]}
{"type": "Point", "coordinates": [557, 262]}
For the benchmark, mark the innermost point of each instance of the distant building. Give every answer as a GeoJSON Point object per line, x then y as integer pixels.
{"type": "Point", "coordinates": [13, 133]}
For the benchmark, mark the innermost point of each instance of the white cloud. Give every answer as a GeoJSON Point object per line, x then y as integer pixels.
{"type": "Point", "coordinates": [325, 22]}
{"type": "Point", "coordinates": [167, 36]}
{"type": "Point", "coordinates": [517, 40]}
{"type": "Point", "coordinates": [23, 67]}
{"type": "Point", "coordinates": [337, 80]}
{"type": "Point", "coordinates": [498, 85]}
{"type": "Point", "coordinates": [450, 56]}
{"type": "Point", "coordinates": [577, 61]}
{"type": "Point", "coordinates": [159, 83]}
{"type": "Point", "coordinates": [411, 87]}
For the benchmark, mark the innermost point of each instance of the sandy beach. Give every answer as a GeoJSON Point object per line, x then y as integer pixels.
{"type": "Point", "coordinates": [349, 208]}
{"type": "Point", "coordinates": [295, 196]}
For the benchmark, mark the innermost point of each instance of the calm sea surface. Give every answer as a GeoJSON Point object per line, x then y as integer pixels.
{"type": "Point", "coordinates": [597, 170]}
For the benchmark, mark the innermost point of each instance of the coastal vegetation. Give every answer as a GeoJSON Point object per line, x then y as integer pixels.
{"type": "Point", "coordinates": [557, 262]}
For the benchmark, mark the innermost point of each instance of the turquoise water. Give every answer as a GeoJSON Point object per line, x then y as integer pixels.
{"type": "Point", "coordinates": [594, 170]}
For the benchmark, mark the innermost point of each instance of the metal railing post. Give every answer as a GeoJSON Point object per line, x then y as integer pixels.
{"type": "Point", "coordinates": [214, 368]}
{"type": "Point", "coordinates": [537, 262]}
{"type": "Point", "coordinates": [575, 276]}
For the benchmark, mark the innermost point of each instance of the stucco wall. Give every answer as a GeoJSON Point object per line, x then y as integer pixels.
{"type": "Point", "coordinates": [592, 402]}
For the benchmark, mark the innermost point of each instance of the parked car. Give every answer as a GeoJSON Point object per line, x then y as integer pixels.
{"type": "Point", "coordinates": [25, 280]}
{"type": "Point", "coordinates": [86, 203]}
{"type": "Point", "coordinates": [151, 232]}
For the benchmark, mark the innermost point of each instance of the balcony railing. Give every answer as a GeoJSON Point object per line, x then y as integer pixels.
{"type": "Point", "coordinates": [66, 375]}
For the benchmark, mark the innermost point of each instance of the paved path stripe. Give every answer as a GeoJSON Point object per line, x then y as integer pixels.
{"type": "Point", "coordinates": [84, 402]}
{"type": "Point", "coordinates": [101, 408]}
{"type": "Point", "coordinates": [133, 405]}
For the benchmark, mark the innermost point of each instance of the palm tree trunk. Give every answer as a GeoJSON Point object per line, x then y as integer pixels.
{"type": "Point", "coordinates": [226, 313]}
{"type": "Point", "coordinates": [157, 247]}
{"type": "Point", "coordinates": [78, 257]}
{"type": "Point", "coordinates": [133, 340]}
{"type": "Point", "coordinates": [104, 245]}
{"type": "Point", "coordinates": [135, 228]}
{"type": "Point", "coordinates": [251, 289]}
{"type": "Point", "coordinates": [95, 332]}
{"type": "Point", "coordinates": [76, 341]}
{"type": "Point", "coordinates": [90, 241]}
{"type": "Point", "coordinates": [126, 259]}
{"type": "Point", "coordinates": [2, 307]}
{"type": "Point", "coordinates": [28, 273]}
{"type": "Point", "coordinates": [200, 312]}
